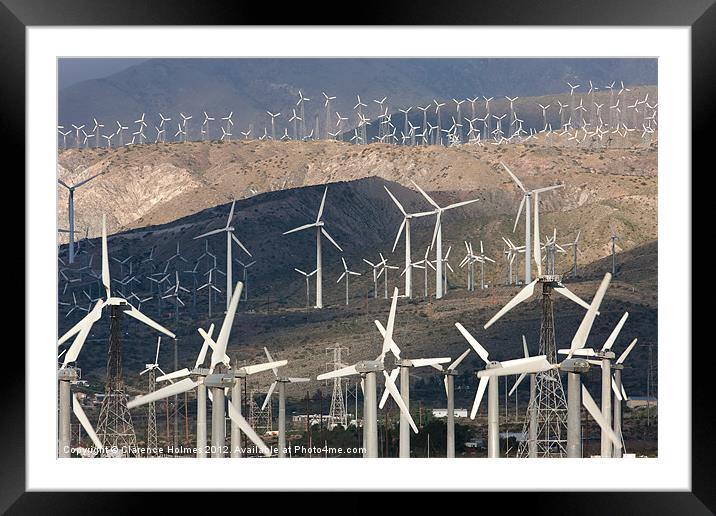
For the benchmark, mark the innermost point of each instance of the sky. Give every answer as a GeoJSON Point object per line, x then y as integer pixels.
{"type": "Point", "coordinates": [73, 70]}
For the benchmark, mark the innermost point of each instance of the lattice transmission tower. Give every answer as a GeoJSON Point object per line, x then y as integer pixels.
{"type": "Point", "coordinates": [115, 428]}
{"type": "Point", "coordinates": [260, 420]}
{"type": "Point", "coordinates": [337, 414]}
{"type": "Point", "coordinates": [546, 422]}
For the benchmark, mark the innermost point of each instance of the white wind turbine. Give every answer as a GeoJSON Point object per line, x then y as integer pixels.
{"type": "Point", "coordinates": [96, 131]}
{"type": "Point", "coordinates": [71, 211]}
{"type": "Point", "coordinates": [229, 229]}
{"type": "Point", "coordinates": [368, 369]}
{"type": "Point", "coordinates": [83, 327]}
{"type": "Point", "coordinates": [517, 366]}
{"type": "Point", "coordinates": [327, 105]}
{"type": "Point", "coordinates": [207, 119]}
{"type": "Point", "coordinates": [319, 230]}
{"type": "Point", "coordinates": [346, 274]}
{"type": "Point", "coordinates": [229, 124]}
{"type": "Point", "coordinates": [377, 271]}
{"type": "Point", "coordinates": [301, 101]}
{"type": "Point", "coordinates": [64, 136]}
{"type": "Point", "coordinates": [437, 236]}
{"type": "Point", "coordinates": [77, 134]}
{"type": "Point", "coordinates": [575, 249]}
{"type": "Point", "coordinates": [525, 203]}
{"type": "Point", "coordinates": [142, 125]}
{"type": "Point", "coordinates": [218, 380]}
{"type": "Point", "coordinates": [528, 290]}
{"type": "Point", "coordinates": [281, 381]}
{"type": "Point", "coordinates": [273, 126]}
{"type": "Point", "coordinates": [407, 218]}
{"type": "Point", "coordinates": [162, 121]}
{"type": "Point", "coordinates": [403, 369]}
{"type": "Point", "coordinates": [185, 125]}
{"type": "Point", "coordinates": [307, 275]}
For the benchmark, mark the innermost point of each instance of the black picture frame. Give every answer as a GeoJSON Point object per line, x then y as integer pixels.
{"type": "Point", "coordinates": [700, 15]}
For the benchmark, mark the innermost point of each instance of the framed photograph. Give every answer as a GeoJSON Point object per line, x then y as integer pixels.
{"type": "Point", "coordinates": [344, 246]}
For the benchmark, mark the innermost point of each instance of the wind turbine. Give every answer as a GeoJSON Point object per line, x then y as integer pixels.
{"type": "Point", "coordinates": [218, 377]}
{"type": "Point", "coordinates": [117, 304]}
{"type": "Point", "coordinates": [437, 235]}
{"type": "Point", "coordinates": [403, 369]}
{"type": "Point", "coordinates": [368, 369]}
{"type": "Point", "coordinates": [71, 211]}
{"type": "Point", "coordinates": [142, 125]}
{"type": "Point", "coordinates": [273, 127]}
{"type": "Point", "coordinates": [449, 374]}
{"type": "Point", "coordinates": [307, 275]}
{"type": "Point", "coordinates": [96, 131]}
{"type": "Point", "coordinates": [185, 125]}
{"type": "Point", "coordinates": [346, 274]}
{"type": "Point", "coordinates": [319, 229]}
{"type": "Point", "coordinates": [301, 101]}
{"type": "Point", "coordinates": [229, 124]}
{"type": "Point", "coordinates": [575, 249]}
{"type": "Point", "coordinates": [407, 218]}
{"type": "Point", "coordinates": [162, 121]}
{"type": "Point", "coordinates": [281, 381]}
{"type": "Point", "coordinates": [377, 271]}
{"type": "Point", "coordinates": [77, 134]}
{"type": "Point", "coordinates": [327, 105]}
{"type": "Point", "coordinates": [525, 203]}
{"type": "Point", "coordinates": [494, 368]}
{"type": "Point", "coordinates": [229, 229]}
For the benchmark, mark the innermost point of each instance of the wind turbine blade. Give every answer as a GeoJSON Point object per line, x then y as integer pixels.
{"type": "Point", "coordinates": [458, 204]}
{"type": "Point", "coordinates": [624, 355]}
{"type": "Point", "coordinates": [345, 371]}
{"type": "Point", "coordinates": [484, 355]}
{"type": "Point", "coordinates": [248, 430]}
{"type": "Point", "coordinates": [534, 364]}
{"type": "Point", "coordinates": [615, 332]}
{"type": "Point", "coordinates": [616, 390]}
{"type": "Point", "coordinates": [74, 350]}
{"type": "Point", "coordinates": [390, 385]}
{"type": "Point", "coordinates": [156, 356]}
{"type": "Point", "coordinates": [478, 396]}
{"type": "Point", "coordinates": [524, 347]}
{"type": "Point", "coordinates": [270, 359]}
{"type": "Point", "coordinates": [445, 383]}
{"type": "Point", "coordinates": [208, 340]}
{"type": "Point", "coordinates": [231, 214]}
{"type": "Point", "coordinates": [222, 341]}
{"type": "Point", "coordinates": [268, 395]}
{"type": "Point", "coordinates": [422, 362]}
{"type": "Point", "coordinates": [240, 244]}
{"type": "Point", "coordinates": [325, 233]}
{"type": "Point", "coordinates": [427, 197]}
{"type": "Point", "coordinates": [394, 376]}
{"type": "Point", "coordinates": [517, 383]}
{"type": "Point", "coordinates": [561, 289]}
{"type": "Point", "coordinates": [209, 233]}
{"type": "Point", "coordinates": [435, 231]}
{"type": "Point", "coordinates": [458, 360]}
{"type": "Point", "coordinates": [580, 338]}
{"type": "Point", "coordinates": [133, 312]}
{"type": "Point", "coordinates": [400, 206]}
{"type": "Point", "coordinates": [400, 232]}
{"type": "Point", "coordinates": [300, 228]}
{"type": "Point", "coordinates": [596, 414]}
{"type": "Point", "coordinates": [514, 178]}
{"type": "Point", "coordinates": [547, 188]}
{"type": "Point", "coordinates": [180, 387]}
{"type": "Point", "coordinates": [388, 337]}
{"type": "Point", "coordinates": [259, 368]}
{"type": "Point", "coordinates": [84, 421]}
{"type": "Point", "coordinates": [323, 202]}
{"type": "Point", "coordinates": [521, 296]}
{"type": "Point", "coordinates": [393, 346]}
{"type": "Point", "coordinates": [75, 329]}
{"type": "Point", "coordinates": [181, 373]}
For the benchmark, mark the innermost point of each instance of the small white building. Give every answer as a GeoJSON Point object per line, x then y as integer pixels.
{"type": "Point", "coordinates": [442, 412]}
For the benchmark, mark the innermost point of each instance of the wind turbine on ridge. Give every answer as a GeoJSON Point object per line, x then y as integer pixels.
{"type": "Point", "coordinates": [437, 236]}
{"type": "Point", "coordinates": [319, 230]}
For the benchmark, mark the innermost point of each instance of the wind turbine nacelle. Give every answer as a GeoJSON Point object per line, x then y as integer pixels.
{"type": "Point", "coordinates": [117, 301]}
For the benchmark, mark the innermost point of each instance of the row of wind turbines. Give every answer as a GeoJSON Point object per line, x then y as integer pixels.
{"type": "Point", "coordinates": [559, 119]}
